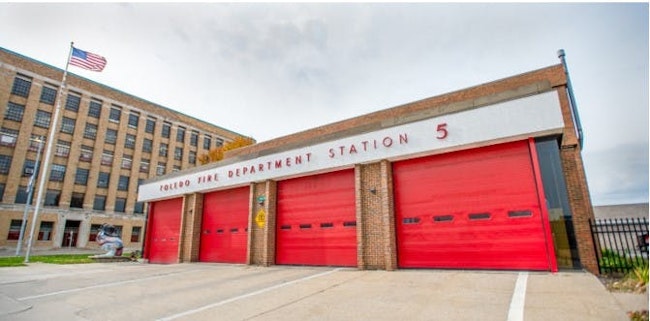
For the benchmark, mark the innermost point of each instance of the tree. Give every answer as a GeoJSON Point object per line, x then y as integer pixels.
{"type": "Point", "coordinates": [216, 154]}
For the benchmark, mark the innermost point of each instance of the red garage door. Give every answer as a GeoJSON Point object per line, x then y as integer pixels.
{"type": "Point", "coordinates": [164, 231]}
{"type": "Point", "coordinates": [470, 209]}
{"type": "Point", "coordinates": [316, 223]}
{"type": "Point", "coordinates": [224, 231]}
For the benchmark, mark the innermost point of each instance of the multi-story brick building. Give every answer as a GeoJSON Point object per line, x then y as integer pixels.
{"type": "Point", "coordinates": [107, 143]}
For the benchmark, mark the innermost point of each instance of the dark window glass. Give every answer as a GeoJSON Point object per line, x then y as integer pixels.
{"type": "Point", "coordinates": [160, 169]}
{"type": "Point", "coordinates": [178, 153]}
{"type": "Point", "coordinates": [72, 103]}
{"type": "Point", "coordinates": [48, 95]}
{"type": "Point", "coordinates": [207, 141]}
{"type": "Point", "coordinates": [90, 131]}
{"type": "Point", "coordinates": [8, 137]}
{"type": "Point", "coordinates": [479, 216]}
{"type": "Point", "coordinates": [557, 202]}
{"type": "Point", "coordinates": [94, 230]}
{"type": "Point", "coordinates": [135, 234]}
{"type": "Point", "coordinates": [115, 114]}
{"type": "Point", "coordinates": [443, 218]}
{"type": "Point", "coordinates": [100, 203]}
{"type": "Point", "coordinates": [14, 229]}
{"type": "Point", "coordinates": [81, 177]}
{"type": "Point", "coordinates": [194, 138]}
{"type": "Point", "coordinates": [45, 232]}
{"type": "Point", "coordinates": [5, 164]}
{"type": "Point", "coordinates": [22, 85]}
{"type": "Point", "coordinates": [95, 108]}
{"type": "Point", "coordinates": [120, 204]}
{"type": "Point", "coordinates": [150, 126]}
{"type": "Point", "coordinates": [107, 158]}
{"type": "Point", "coordinates": [67, 125]}
{"type": "Point", "coordinates": [192, 157]}
{"type": "Point", "coordinates": [86, 154]}
{"type": "Point", "coordinates": [163, 150]}
{"type": "Point", "coordinates": [102, 180]}
{"type": "Point", "coordinates": [147, 145]}
{"type": "Point", "coordinates": [111, 136]}
{"type": "Point", "coordinates": [77, 200]}
{"type": "Point", "coordinates": [42, 119]}
{"type": "Point", "coordinates": [2, 192]}
{"type": "Point", "coordinates": [52, 198]}
{"type": "Point", "coordinates": [166, 129]}
{"type": "Point", "coordinates": [28, 168]}
{"type": "Point", "coordinates": [14, 112]}
{"type": "Point", "coordinates": [57, 173]}
{"type": "Point", "coordinates": [138, 208]}
{"type": "Point", "coordinates": [219, 142]}
{"type": "Point", "coordinates": [62, 148]}
{"type": "Point", "coordinates": [21, 195]}
{"type": "Point", "coordinates": [123, 183]}
{"type": "Point", "coordinates": [180, 135]}
{"type": "Point", "coordinates": [133, 120]}
{"type": "Point", "coordinates": [129, 142]}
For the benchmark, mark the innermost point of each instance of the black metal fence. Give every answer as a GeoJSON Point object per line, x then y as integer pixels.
{"type": "Point", "coordinates": [620, 244]}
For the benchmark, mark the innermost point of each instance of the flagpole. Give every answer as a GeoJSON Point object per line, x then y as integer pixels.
{"type": "Point", "coordinates": [30, 194]}
{"type": "Point", "coordinates": [48, 156]}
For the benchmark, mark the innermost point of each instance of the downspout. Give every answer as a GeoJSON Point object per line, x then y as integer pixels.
{"type": "Point", "coordinates": [572, 101]}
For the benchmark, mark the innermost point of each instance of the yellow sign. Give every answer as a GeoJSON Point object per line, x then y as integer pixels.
{"type": "Point", "coordinates": [260, 218]}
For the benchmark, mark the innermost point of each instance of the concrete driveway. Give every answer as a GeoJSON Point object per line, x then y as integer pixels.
{"type": "Point", "coordinates": [200, 291]}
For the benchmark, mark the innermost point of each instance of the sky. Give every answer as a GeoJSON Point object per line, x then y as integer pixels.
{"type": "Point", "coordinates": [268, 70]}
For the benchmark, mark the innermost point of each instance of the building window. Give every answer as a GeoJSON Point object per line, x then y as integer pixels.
{"type": "Point", "coordinates": [21, 195]}
{"type": "Point", "coordinates": [73, 101]}
{"type": "Point", "coordinates": [123, 183]}
{"type": "Point", "coordinates": [28, 168]}
{"type": "Point", "coordinates": [138, 207]}
{"type": "Point", "coordinates": [5, 164]}
{"type": "Point", "coordinates": [14, 230]}
{"type": "Point", "coordinates": [57, 173]}
{"type": "Point", "coordinates": [178, 153]}
{"type": "Point", "coordinates": [102, 180]}
{"type": "Point", "coordinates": [67, 125]}
{"type": "Point", "coordinates": [90, 131]}
{"type": "Point", "coordinates": [194, 138]}
{"type": "Point", "coordinates": [144, 166]}
{"type": "Point", "coordinates": [81, 177]}
{"type": "Point", "coordinates": [147, 145]}
{"type": "Point", "coordinates": [94, 230]}
{"type": "Point", "coordinates": [48, 95]}
{"type": "Point", "coordinates": [160, 169]}
{"type": "Point", "coordinates": [133, 119]}
{"type": "Point", "coordinates": [86, 154]}
{"type": "Point", "coordinates": [62, 148]}
{"type": "Point", "coordinates": [127, 161]}
{"type": "Point", "coordinates": [166, 129]}
{"type": "Point", "coordinates": [176, 168]}
{"type": "Point", "coordinates": [52, 197]}
{"type": "Point", "coordinates": [8, 137]}
{"type": "Point", "coordinates": [2, 192]}
{"type": "Point", "coordinates": [207, 141]}
{"type": "Point", "coordinates": [107, 158]}
{"type": "Point", "coordinates": [42, 119]}
{"type": "Point", "coordinates": [77, 200]}
{"type": "Point", "coordinates": [135, 234]}
{"type": "Point", "coordinates": [180, 134]}
{"type": "Point", "coordinates": [192, 157]}
{"type": "Point", "coordinates": [129, 142]}
{"type": "Point", "coordinates": [22, 85]}
{"type": "Point", "coordinates": [120, 204]}
{"type": "Point", "coordinates": [45, 232]}
{"type": "Point", "coordinates": [150, 126]}
{"type": "Point", "coordinates": [95, 108]}
{"type": "Point", "coordinates": [36, 142]}
{"type": "Point", "coordinates": [111, 136]}
{"type": "Point", "coordinates": [100, 203]}
{"type": "Point", "coordinates": [116, 113]}
{"type": "Point", "coordinates": [14, 111]}
{"type": "Point", "coordinates": [219, 142]}
{"type": "Point", "coordinates": [163, 150]}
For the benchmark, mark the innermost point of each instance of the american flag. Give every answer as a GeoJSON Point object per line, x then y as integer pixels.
{"type": "Point", "coordinates": [87, 60]}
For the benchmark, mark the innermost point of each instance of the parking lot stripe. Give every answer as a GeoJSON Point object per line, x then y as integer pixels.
{"type": "Point", "coordinates": [516, 311]}
{"type": "Point", "coordinates": [246, 295]}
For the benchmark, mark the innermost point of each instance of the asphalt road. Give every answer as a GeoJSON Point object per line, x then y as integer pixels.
{"type": "Point", "coordinates": [201, 291]}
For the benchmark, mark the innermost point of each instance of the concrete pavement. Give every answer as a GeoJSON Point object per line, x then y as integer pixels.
{"type": "Point", "coordinates": [200, 291]}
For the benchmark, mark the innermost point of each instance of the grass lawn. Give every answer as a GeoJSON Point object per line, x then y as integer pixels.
{"type": "Point", "coordinates": [53, 259]}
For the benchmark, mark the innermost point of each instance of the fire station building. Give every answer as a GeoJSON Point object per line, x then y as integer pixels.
{"type": "Point", "coordinates": [488, 177]}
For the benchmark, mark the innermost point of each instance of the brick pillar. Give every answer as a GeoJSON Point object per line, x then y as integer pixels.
{"type": "Point", "coordinates": [580, 203]}
{"type": "Point", "coordinates": [190, 238]}
{"type": "Point", "coordinates": [376, 248]}
{"type": "Point", "coordinates": [261, 236]}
